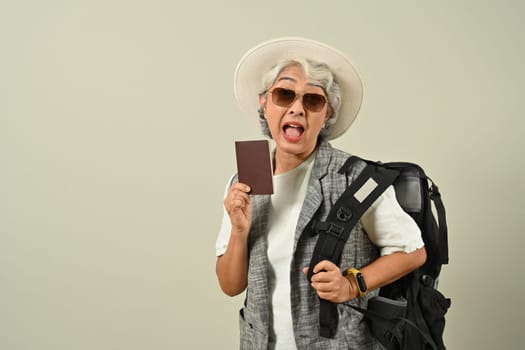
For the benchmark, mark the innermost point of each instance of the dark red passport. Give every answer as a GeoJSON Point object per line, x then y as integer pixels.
{"type": "Point", "coordinates": [254, 166]}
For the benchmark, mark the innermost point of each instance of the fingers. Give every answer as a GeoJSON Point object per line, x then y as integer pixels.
{"type": "Point", "coordinates": [329, 283]}
{"type": "Point", "coordinates": [238, 206]}
{"type": "Point", "coordinates": [327, 266]}
{"type": "Point", "coordinates": [337, 291]}
{"type": "Point", "coordinates": [241, 187]}
{"type": "Point", "coordinates": [325, 272]}
{"type": "Point", "coordinates": [237, 198]}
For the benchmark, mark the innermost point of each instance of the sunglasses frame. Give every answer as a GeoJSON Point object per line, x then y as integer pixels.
{"type": "Point", "coordinates": [307, 105]}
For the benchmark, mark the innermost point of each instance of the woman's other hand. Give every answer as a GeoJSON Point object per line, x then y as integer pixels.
{"type": "Point", "coordinates": [330, 284]}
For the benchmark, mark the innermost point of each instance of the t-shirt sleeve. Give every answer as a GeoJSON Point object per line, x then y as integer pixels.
{"type": "Point", "coordinates": [389, 227]}
{"type": "Point", "coordinates": [225, 230]}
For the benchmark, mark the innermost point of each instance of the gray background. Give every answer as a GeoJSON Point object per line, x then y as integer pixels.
{"type": "Point", "coordinates": [117, 124]}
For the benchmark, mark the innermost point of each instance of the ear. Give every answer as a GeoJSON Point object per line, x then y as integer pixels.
{"type": "Point", "coordinates": [262, 101]}
{"type": "Point", "coordinates": [329, 114]}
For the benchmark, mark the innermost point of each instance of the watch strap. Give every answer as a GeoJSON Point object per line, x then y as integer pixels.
{"type": "Point", "coordinates": [359, 280]}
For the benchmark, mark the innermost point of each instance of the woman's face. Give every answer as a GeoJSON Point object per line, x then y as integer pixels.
{"type": "Point", "coordinates": [295, 128]}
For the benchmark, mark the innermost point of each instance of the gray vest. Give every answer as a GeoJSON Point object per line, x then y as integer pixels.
{"type": "Point", "coordinates": [324, 188]}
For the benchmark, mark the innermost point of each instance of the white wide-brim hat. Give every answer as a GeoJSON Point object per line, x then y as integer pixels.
{"type": "Point", "coordinates": [263, 57]}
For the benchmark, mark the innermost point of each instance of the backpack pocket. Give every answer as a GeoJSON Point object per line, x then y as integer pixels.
{"type": "Point", "coordinates": [434, 306]}
{"type": "Point", "coordinates": [382, 317]}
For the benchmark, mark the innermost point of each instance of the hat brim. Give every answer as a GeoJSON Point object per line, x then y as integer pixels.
{"type": "Point", "coordinates": [261, 58]}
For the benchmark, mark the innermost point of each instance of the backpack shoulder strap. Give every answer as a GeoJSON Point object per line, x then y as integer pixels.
{"type": "Point", "coordinates": [342, 218]}
{"type": "Point", "coordinates": [435, 196]}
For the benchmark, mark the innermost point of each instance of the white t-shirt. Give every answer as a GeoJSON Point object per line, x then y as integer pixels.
{"type": "Point", "coordinates": [385, 222]}
{"type": "Point", "coordinates": [286, 202]}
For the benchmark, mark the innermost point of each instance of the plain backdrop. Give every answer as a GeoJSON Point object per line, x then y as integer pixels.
{"type": "Point", "coordinates": [117, 130]}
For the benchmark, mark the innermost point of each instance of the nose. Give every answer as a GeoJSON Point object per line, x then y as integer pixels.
{"type": "Point", "coordinates": [297, 106]}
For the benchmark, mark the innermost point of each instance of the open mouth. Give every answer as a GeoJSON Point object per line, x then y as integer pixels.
{"type": "Point", "coordinates": [293, 132]}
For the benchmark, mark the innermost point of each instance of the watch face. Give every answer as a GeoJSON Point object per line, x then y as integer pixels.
{"type": "Point", "coordinates": [359, 279]}
{"type": "Point", "coordinates": [361, 282]}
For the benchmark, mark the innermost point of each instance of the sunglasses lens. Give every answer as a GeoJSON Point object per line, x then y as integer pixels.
{"type": "Point", "coordinates": [283, 97]}
{"type": "Point", "coordinates": [314, 102]}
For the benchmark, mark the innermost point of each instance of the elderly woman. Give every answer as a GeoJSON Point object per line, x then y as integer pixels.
{"type": "Point", "coordinates": [309, 93]}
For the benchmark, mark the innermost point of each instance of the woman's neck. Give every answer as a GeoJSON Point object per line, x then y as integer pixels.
{"type": "Point", "coordinates": [284, 162]}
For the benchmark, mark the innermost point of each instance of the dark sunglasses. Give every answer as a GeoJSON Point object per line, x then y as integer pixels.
{"type": "Point", "coordinates": [285, 97]}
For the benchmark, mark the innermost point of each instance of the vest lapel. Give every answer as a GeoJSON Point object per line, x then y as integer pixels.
{"type": "Point", "coordinates": [314, 194]}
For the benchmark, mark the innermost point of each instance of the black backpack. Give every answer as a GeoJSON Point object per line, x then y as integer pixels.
{"type": "Point", "coordinates": [410, 312]}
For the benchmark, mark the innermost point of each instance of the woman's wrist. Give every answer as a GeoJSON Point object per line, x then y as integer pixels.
{"type": "Point", "coordinates": [239, 233]}
{"type": "Point", "coordinates": [353, 292]}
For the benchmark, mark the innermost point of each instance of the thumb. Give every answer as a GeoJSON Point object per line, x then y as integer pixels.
{"type": "Point", "coordinates": [305, 270]}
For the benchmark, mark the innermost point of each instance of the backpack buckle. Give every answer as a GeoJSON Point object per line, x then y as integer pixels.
{"type": "Point", "coordinates": [335, 230]}
{"type": "Point", "coordinates": [328, 227]}
{"type": "Point", "coordinates": [344, 214]}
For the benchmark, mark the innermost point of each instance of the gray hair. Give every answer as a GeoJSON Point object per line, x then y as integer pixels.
{"type": "Point", "coordinates": [320, 73]}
